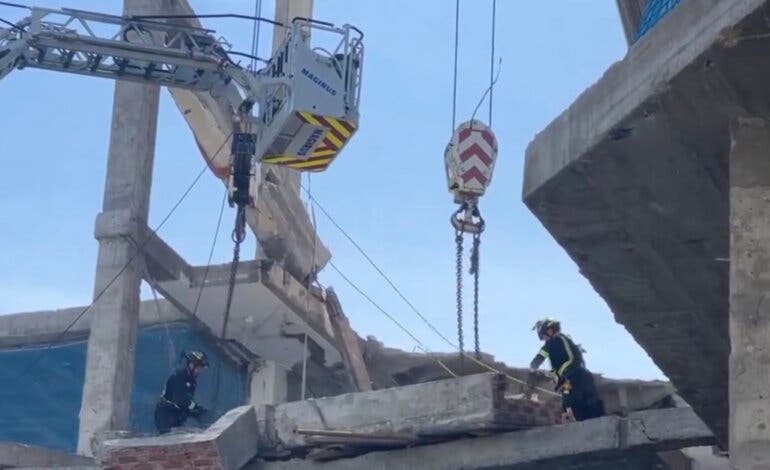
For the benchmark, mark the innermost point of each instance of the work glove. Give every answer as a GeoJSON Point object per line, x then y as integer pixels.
{"type": "Point", "coordinates": [199, 411]}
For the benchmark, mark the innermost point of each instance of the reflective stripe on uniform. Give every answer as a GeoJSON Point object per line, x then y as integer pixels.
{"type": "Point", "coordinates": [543, 353]}
{"type": "Point", "coordinates": [568, 363]}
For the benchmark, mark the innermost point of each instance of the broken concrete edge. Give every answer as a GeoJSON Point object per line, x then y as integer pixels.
{"type": "Point", "coordinates": [21, 455]}
{"type": "Point", "coordinates": [653, 430]}
{"type": "Point", "coordinates": [296, 295]}
{"type": "Point", "coordinates": [687, 32]}
{"type": "Point", "coordinates": [351, 348]}
{"type": "Point", "coordinates": [230, 443]}
{"type": "Point", "coordinates": [167, 265]}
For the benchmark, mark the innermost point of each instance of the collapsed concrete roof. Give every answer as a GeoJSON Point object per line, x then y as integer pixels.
{"type": "Point", "coordinates": [632, 180]}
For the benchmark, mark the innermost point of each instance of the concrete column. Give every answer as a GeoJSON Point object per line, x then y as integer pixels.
{"type": "Point", "coordinates": [268, 384]}
{"type": "Point", "coordinates": [749, 294]}
{"type": "Point", "coordinates": [110, 360]}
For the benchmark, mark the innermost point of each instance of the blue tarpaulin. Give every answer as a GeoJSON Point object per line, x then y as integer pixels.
{"type": "Point", "coordinates": [655, 10]}
{"type": "Point", "coordinates": [41, 407]}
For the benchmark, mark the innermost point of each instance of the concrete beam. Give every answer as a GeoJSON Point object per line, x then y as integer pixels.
{"type": "Point", "coordinates": [441, 408]}
{"type": "Point", "coordinates": [110, 360]}
{"type": "Point", "coordinates": [693, 26]}
{"type": "Point", "coordinates": [351, 349]}
{"type": "Point", "coordinates": [267, 298]}
{"type": "Point", "coordinates": [749, 287]}
{"type": "Point", "coordinates": [589, 441]}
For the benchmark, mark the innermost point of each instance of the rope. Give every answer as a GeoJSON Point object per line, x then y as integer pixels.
{"type": "Point", "coordinates": [390, 317]}
{"type": "Point", "coordinates": [406, 300]}
{"type": "Point", "coordinates": [377, 268]}
{"type": "Point", "coordinates": [98, 296]}
{"type": "Point", "coordinates": [425, 350]}
{"type": "Point", "coordinates": [491, 60]}
{"type": "Point", "coordinates": [169, 339]}
{"type": "Point", "coordinates": [211, 255]}
{"type": "Point", "coordinates": [151, 282]}
{"type": "Point", "coordinates": [454, 80]}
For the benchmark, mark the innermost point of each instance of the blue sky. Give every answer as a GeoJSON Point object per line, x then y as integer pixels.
{"type": "Point", "coordinates": [387, 189]}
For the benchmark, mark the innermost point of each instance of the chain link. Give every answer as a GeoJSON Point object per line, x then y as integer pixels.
{"type": "Point", "coordinates": [238, 235]}
{"type": "Point", "coordinates": [459, 274]}
{"type": "Point", "coordinates": [475, 272]}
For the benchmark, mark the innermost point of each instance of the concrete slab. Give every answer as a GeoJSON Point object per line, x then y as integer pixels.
{"type": "Point", "coordinates": [266, 299]}
{"type": "Point", "coordinates": [475, 403]}
{"type": "Point", "coordinates": [389, 367]}
{"type": "Point", "coordinates": [632, 181]}
{"type": "Point", "coordinates": [596, 443]}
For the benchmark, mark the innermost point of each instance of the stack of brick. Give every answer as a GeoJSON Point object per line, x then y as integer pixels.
{"type": "Point", "coordinates": [228, 444]}
{"type": "Point", "coordinates": [192, 455]}
{"type": "Point", "coordinates": [520, 412]}
{"type": "Point", "coordinates": [527, 413]}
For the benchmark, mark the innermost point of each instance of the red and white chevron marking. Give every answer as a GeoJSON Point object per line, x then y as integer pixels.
{"type": "Point", "coordinates": [476, 150]}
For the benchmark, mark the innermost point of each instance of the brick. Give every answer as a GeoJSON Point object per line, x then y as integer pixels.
{"type": "Point", "coordinates": [205, 463]}
{"type": "Point", "coordinates": [143, 466]}
{"type": "Point", "coordinates": [157, 458]}
{"type": "Point", "coordinates": [128, 459]}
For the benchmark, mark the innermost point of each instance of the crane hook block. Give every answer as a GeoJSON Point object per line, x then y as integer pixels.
{"type": "Point", "coordinates": [469, 159]}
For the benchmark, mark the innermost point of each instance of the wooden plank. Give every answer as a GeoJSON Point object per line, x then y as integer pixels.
{"type": "Point", "coordinates": [351, 350]}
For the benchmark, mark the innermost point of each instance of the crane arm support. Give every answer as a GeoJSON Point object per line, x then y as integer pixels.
{"type": "Point", "coordinates": [122, 48]}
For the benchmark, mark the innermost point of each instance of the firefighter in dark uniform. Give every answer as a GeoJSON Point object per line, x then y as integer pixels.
{"type": "Point", "coordinates": [176, 402]}
{"type": "Point", "coordinates": [580, 399]}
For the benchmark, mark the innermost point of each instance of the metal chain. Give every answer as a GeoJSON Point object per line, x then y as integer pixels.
{"type": "Point", "coordinates": [459, 274]}
{"type": "Point", "coordinates": [239, 234]}
{"type": "Point", "coordinates": [475, 272]}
